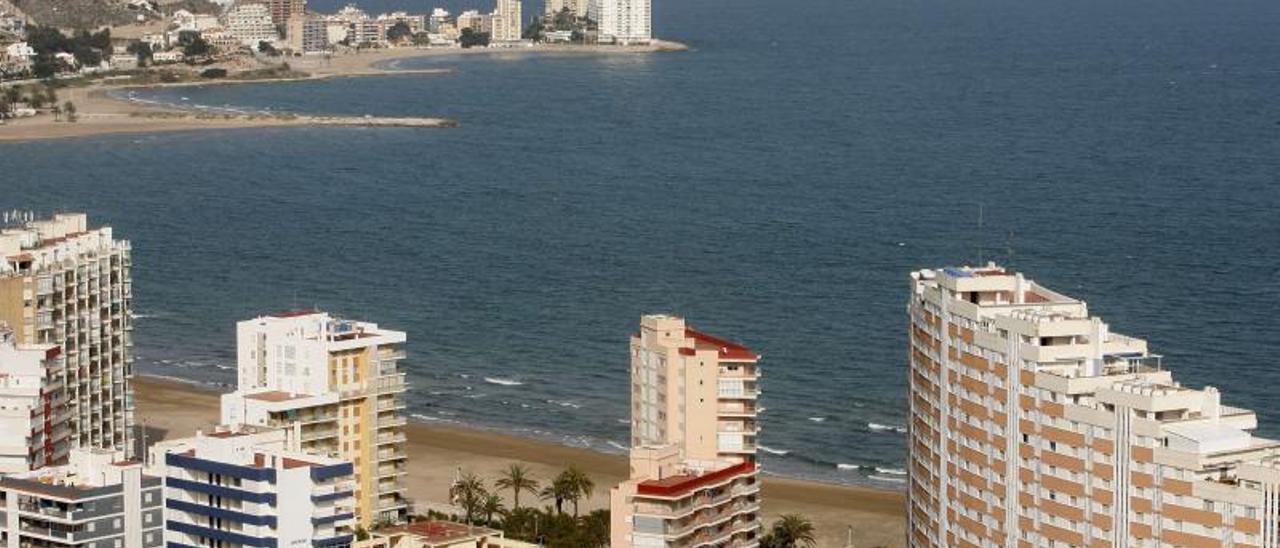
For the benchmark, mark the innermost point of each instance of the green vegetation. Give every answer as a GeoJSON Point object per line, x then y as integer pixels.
{"type": "Point", "coordinates": [399, 32]}
{"type": "Point", "coordinates": [193, 45]}
{"type": "Point", "coordinates": [550, 526]}
{"type": "Point", "coordinates": [88, 49]}
{"type": "Point", "coordinates": [470, 38]}
{"type": "Point", "coordinates": [790, 531]}
{"type": "Point", "coordinates": [143, 51]}
{"type": "Point", "coordinates": [265, 48]}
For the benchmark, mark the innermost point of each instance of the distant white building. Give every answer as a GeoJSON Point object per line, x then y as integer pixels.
{"type": "Point", "coordinates": [20, 50]}
{"type": "Point", "coordinates": [439, 18]}
{"type": "Point", "coordinates": [172, 56]}
{"type": "Point", "coordinates": [624, 22]}
{"type": "Point", "coordinates": [507, 22]}
{"type": "Point", "coordinates": [251, 24]}
{"type": "Point", "coordinates": [186, 20]}
{"type": "Point", "coordinates": [476, 21]}
{"type": "Point", "coordinates": [33, 428]}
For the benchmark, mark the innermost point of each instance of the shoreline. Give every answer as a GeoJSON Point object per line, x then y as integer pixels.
{"type": "Point", "coordinates": [175, 408]}
{"type": "Point", "coordinates": [99, 113]}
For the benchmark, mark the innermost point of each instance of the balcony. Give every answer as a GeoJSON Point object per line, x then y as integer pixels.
{"type": "Point", "coordinates": [319, 434]}
{"type": "Point", "coordinates": [393, 438]}
{"type": "Point", "coordinates": [741, 409]}
{"type": "Point", "coordinates": [390, 421]}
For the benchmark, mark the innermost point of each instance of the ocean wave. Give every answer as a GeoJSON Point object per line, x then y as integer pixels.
{"type": "Point", "coordinates": [568, 404]}
{"type": "Point", "coordinates": [502, 381]}
{"type": "Point", "coordinates": [772, 451]}
{"type": "Point", "coordinates": [818, 419]}
{"type": "Point", "coordinates": [891, 471]}
{"type": "Point", "coordinates": [843, 466]}
{"type": "Point", "coordinates": [877, 427]}
{"type": "Point", "coordinates": [617, 445]}
{"type": "Point", "coordinates": [887, 479]}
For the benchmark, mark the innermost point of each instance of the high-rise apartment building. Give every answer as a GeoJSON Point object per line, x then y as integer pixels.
{"type": "Point", "coordinates": [623, 22]}
{"type": "Point", "coordinates": [1033, 424]}
{"type": "Point", "coordinates": [694, 477]}
{"type": "Point", "coordinates": [33, 411]}
{"type": "Point", "coordinates": [98, 499]}
{"type": "Point", "coordinates": [65, 284]}
{"type": "Point", "coordinates": [507, 22]}
{"type": "Point", "coordinates": [284, 10]}
{"type": "Point", "coordinates": [251, 24]}
{"type": "Point", "coordinates": [243, 487]}
{"type": "Point", "coordinates": [337, 386]}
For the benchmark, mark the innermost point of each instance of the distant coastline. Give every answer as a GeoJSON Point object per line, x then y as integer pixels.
{"type": "Point", "coordinates": [101, 112]}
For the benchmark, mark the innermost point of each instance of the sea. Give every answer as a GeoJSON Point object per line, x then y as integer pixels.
{"type": "Point", "coordinates": [775, 185]}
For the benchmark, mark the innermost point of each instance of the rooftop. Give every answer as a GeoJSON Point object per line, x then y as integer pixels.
{"type": "Point", "coordinates": [439, 532]}
{"type": "Point", "coordinates": [688, 482]}
{"type": "Point", "coordinates": [728, 350]}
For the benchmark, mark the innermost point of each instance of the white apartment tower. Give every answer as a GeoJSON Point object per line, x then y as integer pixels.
{"type": "Point", "coordinates": [623, 22]}
{"type": "Point", "coordinates": [694, 477]}
{"type": "Point", "coordinates": [506, 22]}
{"type": "Point", "coordinates": [33, 412]}
{"type": "Point", "coordinates": [337, 386]}
{"type": "Point", "coordinates": [65, 284]}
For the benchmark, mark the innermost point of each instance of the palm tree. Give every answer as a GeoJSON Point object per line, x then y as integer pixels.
{"type": "Point", "coordinates": [580, 485]}
{"type": "Point", "coordinates": [57, 113]}
{"type": "Point", "coordinates": [70, 109]}
{"type": "Point", "coordinates": [517, 479]}
{"type": "Point", "coordinates": [790, 531]}
{"type": "Point", "coordinates": [560, 490]}
{"type": "Point", "coordinates": [492, 504]}
{"type": "Point", "coordinates": [469, 493]}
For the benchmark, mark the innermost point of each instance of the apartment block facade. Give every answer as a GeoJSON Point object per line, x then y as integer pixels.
{"type": "Point", "coordinates": [337, 386]}
{"type": "Point", "coordinates": [243, 487]}
{"type": "Point", "coordinates": [97, 500]}
{"type": "Point", "coordinates": [1033, 424]}
{"type": "Point", "coordinates": [33, 412]}
{"type": "Point", "coordinates": [507, 21]}
{"type": "Point", "coordinates": [65, 284]}
{"type": "Point", "coordinates": [694, 475]}
{"type": "Point", "coordinates": [623, 22]}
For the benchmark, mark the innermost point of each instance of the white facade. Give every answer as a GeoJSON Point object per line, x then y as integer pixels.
{"type": "Point", "coordinates": [507, 22]}
{"type": "Point", "coordinates": [96, 500]}
{"type": "Point", "coordinates": [63, 283]}
{"type": "Point", "coordinates": [624, 22]}
{"type": "Point", "coordinates": [251, 23]}
{"type": "Point", "coordinates": [243, 487]}
{"type": "Point", "coordinates": [30, 437]}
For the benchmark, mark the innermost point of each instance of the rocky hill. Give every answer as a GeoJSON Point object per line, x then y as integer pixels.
{"type": "Point", "coordinates": [92, 14]}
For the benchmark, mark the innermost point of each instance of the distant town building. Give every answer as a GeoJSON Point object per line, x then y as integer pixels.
{"type": "Point", "coordinates": [66, 284]}
{"type": "Point", "coordinates": [171, 56]}
{"type": "Point", "coordinates": [694, 477]}
{"type": "Point", "coordinates": [240, 486]}
{"type": "Point", "coordinates": [308, 34]}
{"type": "Point", "coordinates": [186, 20]}
{"type": "Point", "coordinates": [439, 18]}
{"type": "Point", "coordinates": [98, 499]}
{"type": "Point", "coordinates": [1033, 424]}
{"type": "Point", "coordinates": [33, 410]}
{"type": "Point", "coordinates": [476, 21]}
{"type": "Point", "coordinates": [507, 23]}
{"type": "Point", "coordinates": [623, 22]}
{"type": "Point", "coordinates": [579, 8]}
{"type": "Point", "coordinates": [284, 10]}
{"type": "Point", "coordinates": [250, 24]}
{"type": "Point", "coordinates": [336, 384]}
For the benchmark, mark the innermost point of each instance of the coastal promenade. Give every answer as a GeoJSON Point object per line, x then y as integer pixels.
{"type": "Point", "coordinates": [174, 409]}
{"type": "Point", "coordinates": [101, 112]}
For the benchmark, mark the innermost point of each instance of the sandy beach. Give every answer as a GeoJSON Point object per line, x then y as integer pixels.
{"type": "Point", "coordinates": [173, 409]}
{"type": "Point", "coordinates": [101, 114]}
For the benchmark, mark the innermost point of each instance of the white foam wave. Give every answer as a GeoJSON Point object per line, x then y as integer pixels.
{"type": "Point", "coordinates": [818, 419]}
{"type": "Point", "coordinates": [618, 446]}
{"type": "Point", "coordinates": [772, 451]}
{"type": "Point", "coordinates": [891, 471]}
{"type": "Point", "coordinates": [568, 404]}
{"type": "Point", "coordinates": [887, 479]}
{"type": "Point", "coordinates": [843, 466]}
{"type": "Point", "coordinates": [877, 427]}
{"type": "Point", "coordinates": [502, 381]}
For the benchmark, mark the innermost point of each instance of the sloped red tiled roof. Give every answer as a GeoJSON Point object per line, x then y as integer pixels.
{"type": "Point", "coordinates": [728, 350]}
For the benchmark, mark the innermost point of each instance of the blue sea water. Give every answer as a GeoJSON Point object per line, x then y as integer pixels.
{"type": "Point", "coordinates": [775, 185]}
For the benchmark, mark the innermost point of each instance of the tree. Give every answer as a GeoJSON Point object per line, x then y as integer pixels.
{"type": "Point", "coordinates": [398, 32]}
{"type": "Point", "coordinates": [516, 479]}
{"type": "Point", "coordinates": [469, 493]}
{"type": "Point", "coordinates": [470, 38]}
{"type": "Point", "coordinates": [361, 533]}
{"type": "Point", "coordinates": [197, 47]}
{"type": "Point", "coordinates": [492, 504]}
{"type": "Point", "coordinates": [790, 531]}
{"type": "Point", "coordinates": [12, 94]}
{"type": "Point", "coordinates": [57, 113]}
{"type": "Point", "coordinates": [580, 486]}
{"type": "Point", "coordinates": [70, 109]}
{"type": "Point", "coordinates": [595, 528]}
{"type": "Point", "coordinates": [559, 491]}
{"type": "Point", "coordinates": [265, 48]}
{"type": "Point", "coordinates": [143, 51]}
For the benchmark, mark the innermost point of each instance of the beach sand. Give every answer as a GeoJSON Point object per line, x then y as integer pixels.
{"type": "Point", "coordinates": [171, 409]}
{"type": "Point", "coordinates": [100, 114]}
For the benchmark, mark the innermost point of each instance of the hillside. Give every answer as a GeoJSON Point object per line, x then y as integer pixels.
{"type": "Point", "coordinates": [90, 14]}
